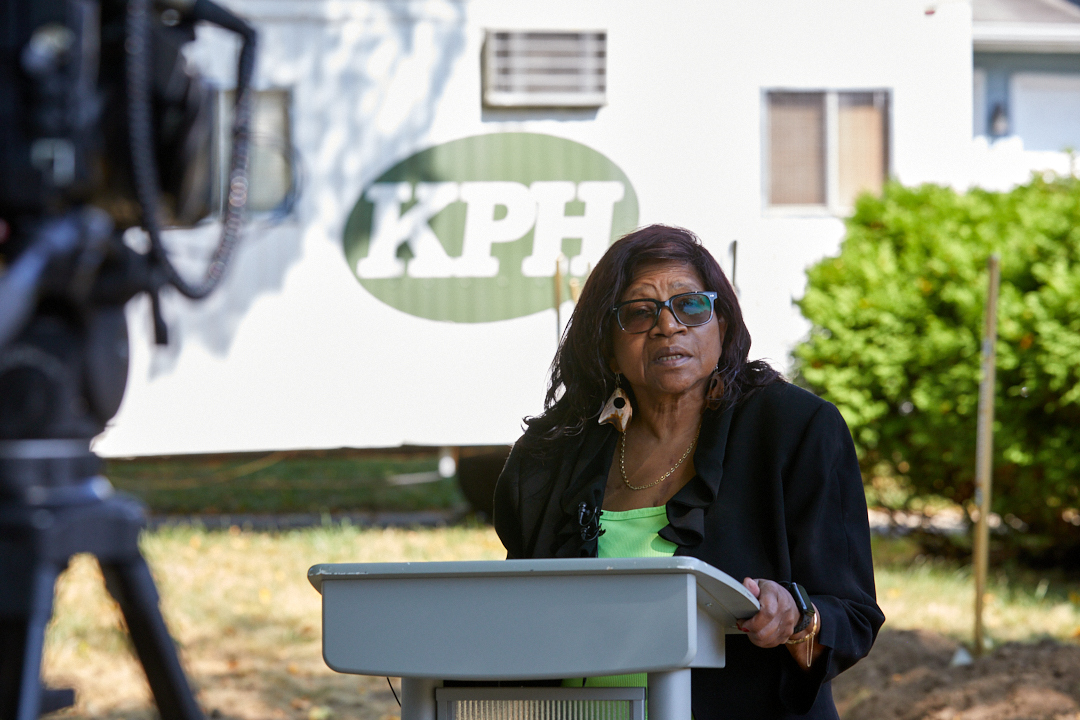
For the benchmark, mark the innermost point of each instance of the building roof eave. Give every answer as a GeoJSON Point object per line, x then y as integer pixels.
{"type": "Point", "coordinates": [1012, 37]}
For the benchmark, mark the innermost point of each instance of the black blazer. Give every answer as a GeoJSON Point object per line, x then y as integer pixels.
{"type": "Point", "coordinates": [778, 495]}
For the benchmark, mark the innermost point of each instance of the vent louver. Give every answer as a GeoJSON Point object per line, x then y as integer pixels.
{"type": "Point", "coordinates": [540, 703]}
{"type": "Point", "coordinates": [545, 69]}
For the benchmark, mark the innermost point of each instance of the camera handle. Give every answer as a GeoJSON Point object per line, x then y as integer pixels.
{"type": "Point", "coordinates": [19, 287]}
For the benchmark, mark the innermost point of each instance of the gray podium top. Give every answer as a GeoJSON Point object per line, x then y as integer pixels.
{"type": "Point", "coordinates": [527, 619]}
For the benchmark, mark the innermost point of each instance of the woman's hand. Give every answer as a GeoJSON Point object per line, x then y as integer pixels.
{"type": "Point", "coordinates": [775, 621]}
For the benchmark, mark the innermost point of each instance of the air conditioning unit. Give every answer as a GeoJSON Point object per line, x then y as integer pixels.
{"type": "Point", "coordinates": [545, 69]}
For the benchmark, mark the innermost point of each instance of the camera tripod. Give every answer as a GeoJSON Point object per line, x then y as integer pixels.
{"type": "Point", "coordinates": [100, 115]}
{"type": "Point", "coordinates": [57, 517]}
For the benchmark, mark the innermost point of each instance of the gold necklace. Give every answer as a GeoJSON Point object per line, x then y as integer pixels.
{"type": "Point", "coordinates": [665, 476]}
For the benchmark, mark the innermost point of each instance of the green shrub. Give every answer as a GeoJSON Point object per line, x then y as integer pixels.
{"type": "Point", "coordinates": [896, 335]}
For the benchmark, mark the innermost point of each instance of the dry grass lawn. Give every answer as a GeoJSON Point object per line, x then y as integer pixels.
{"type": "Point", "coordinates": [918, 592]}
{"type": "Point", "coordinates": [248, 623]}
{"type": "Point", "coordinates": [245, 617]}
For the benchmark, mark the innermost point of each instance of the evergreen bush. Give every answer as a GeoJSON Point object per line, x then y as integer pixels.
{"type": "Point", "coordinates": [896, 334]}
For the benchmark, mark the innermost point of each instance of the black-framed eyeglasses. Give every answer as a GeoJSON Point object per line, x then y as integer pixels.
{"type": "Point", "coordinates": [691, 309]}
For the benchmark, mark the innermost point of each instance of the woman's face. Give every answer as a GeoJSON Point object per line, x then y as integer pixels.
{"type": "Point", "coordinates": [670, 359]}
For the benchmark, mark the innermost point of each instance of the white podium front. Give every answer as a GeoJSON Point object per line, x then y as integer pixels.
{"type": "Point", "coordinates": [516, 620]}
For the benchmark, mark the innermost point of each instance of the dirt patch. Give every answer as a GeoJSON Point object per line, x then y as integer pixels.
{"type": "Point", "coordinates": [907, 676]}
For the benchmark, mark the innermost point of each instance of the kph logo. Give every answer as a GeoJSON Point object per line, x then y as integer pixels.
{"type": "Point", "coordinates": [470, 231]}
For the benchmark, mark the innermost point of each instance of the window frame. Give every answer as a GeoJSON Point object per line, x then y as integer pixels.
{"type": "Point", "coordinates": [832, 206]}
{"type": "Point", "coordinates": [286, 207]}
{"type": "Point", "coordinates": [980, 112]}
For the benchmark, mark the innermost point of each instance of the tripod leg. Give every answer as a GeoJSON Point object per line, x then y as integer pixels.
{"type": "Point", "coordinates": [26, 703]}
{"type": "Point", "coordinates": [12, 642]}
{"type": "Point", "coordinates": [131, 584]}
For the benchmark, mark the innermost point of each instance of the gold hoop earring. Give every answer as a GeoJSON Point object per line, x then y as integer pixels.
{"type": "Point", "coordinates": [617, 410]}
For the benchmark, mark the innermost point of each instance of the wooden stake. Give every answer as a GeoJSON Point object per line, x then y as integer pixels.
{"type": "Point", "coordinates": [984, 449]}
{"type": "Point", "coordinates": [558, 297]}
{"type": "Point", "coordinates": [734, 249]}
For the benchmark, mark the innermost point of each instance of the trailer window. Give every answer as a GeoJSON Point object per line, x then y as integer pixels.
{"type": "Point", "coordinates": [796, 148]}
{"type": "Point", "coordinates": [271, 179]}
{"type": "Point", "coordinates": [824, 148]}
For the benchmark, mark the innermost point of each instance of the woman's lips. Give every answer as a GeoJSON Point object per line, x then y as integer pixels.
{"type": "Point", "coordinates": [670, 356]}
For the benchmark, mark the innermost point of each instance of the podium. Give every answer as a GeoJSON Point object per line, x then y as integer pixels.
{"type": "Point", "coordinates": [507, 621]}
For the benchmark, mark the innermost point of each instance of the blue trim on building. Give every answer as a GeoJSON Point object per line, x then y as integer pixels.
{"type": "Point", "coordinates": [999, 68]}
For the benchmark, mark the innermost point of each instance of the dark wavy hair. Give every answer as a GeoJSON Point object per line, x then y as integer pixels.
{"type": "Point", "coordinates": [581, 379]}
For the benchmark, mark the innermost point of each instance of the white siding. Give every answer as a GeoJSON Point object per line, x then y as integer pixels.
{"type": "Point", "coordinates": [294, 353]}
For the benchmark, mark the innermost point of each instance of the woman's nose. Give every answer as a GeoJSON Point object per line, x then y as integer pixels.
{"type": "Point", "coordinates": [666, 324]}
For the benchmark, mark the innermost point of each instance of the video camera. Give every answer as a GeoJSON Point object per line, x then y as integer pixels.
{"type": "Point", "coordinates": [103, 127]}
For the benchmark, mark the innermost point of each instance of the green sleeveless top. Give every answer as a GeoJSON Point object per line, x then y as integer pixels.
{"type": "Point", "coordinates": [629, 533]}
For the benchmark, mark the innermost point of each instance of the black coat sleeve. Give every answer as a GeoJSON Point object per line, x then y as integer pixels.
{"type": "Point", "coordinates": [829, 550]}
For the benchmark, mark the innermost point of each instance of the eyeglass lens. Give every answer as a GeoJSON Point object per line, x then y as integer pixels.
{"type": "Point", "coordinates": [690, 309]}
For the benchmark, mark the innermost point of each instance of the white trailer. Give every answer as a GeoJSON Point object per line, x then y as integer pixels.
{"type": "Point", "coordinates": [405, 292]}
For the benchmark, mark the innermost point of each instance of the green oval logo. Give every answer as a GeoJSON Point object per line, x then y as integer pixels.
{"type": "Point", "coordinates": [471, 230]}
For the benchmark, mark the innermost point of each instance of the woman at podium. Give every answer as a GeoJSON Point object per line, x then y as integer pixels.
{"type": "Point", "coordinates": [660, 438]}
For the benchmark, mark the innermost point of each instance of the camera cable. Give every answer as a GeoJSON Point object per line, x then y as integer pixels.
{"type": "Point", "coordinates": [144, 163]}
